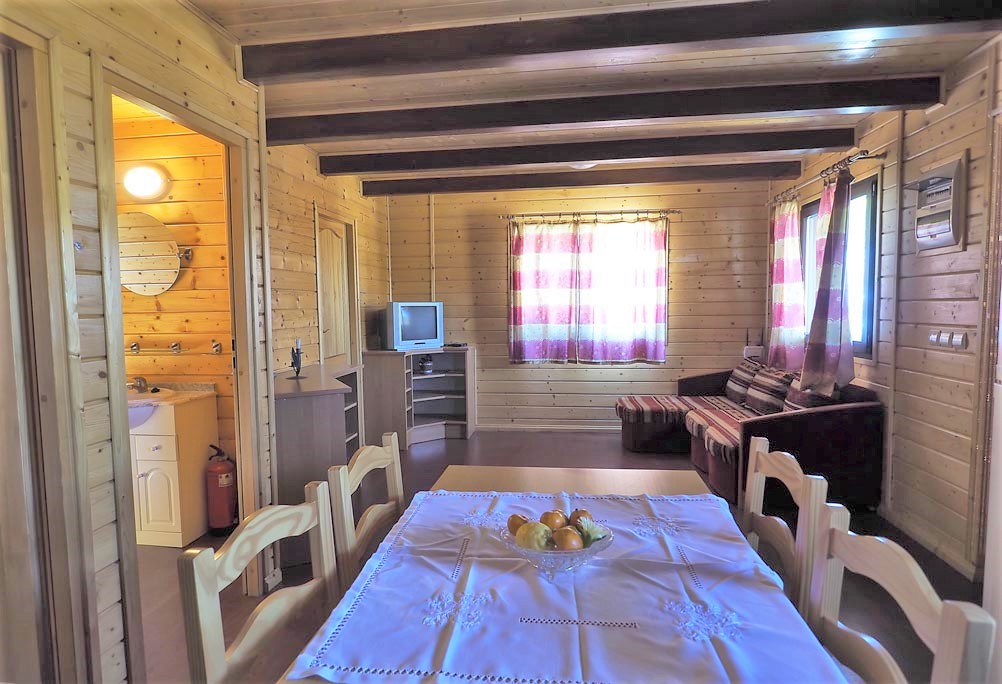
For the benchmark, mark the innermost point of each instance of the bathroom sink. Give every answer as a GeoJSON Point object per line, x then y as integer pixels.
{"type": "Point", "coordinates": [139, 398]}
{"type": "Point", "coordinates": [143, 404]}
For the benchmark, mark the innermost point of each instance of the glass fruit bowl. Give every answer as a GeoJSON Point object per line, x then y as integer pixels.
{"type": "Point", "coordinates": [552, 561]}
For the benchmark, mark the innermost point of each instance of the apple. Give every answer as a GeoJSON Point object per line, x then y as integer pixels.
{"type": "Point", "coordinates": [533, 535]}
{"type": "Point", "coordinates": [515, 521]}
{"type": "Point", "coordinates": [568, 539]}
{"type": "Point", "coordinates": [554, 519]}
{"type": "Point", "coordinates": [577, 515]}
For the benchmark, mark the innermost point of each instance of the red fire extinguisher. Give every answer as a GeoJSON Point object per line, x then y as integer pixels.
{"type": "Point", "coordinates": [221, 493]}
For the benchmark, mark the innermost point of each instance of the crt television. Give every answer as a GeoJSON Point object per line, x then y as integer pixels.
{"type": "Point", "coordinates": [414, 325]}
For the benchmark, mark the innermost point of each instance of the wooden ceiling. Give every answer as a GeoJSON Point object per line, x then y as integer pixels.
{"type": "Point", "coordinates": [546, 88]}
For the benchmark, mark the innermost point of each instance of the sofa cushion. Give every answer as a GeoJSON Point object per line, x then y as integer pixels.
{"type": "Point", "coordinates": [665, 409]}
{"type": "Point", "coordinates": [768, 390]}
{"type": "Point", "coordinates": [718, 426]}
{"type": "Point", "coordinates": [741, 377]}
{"type": "Point", "coordinates": [797, 399]}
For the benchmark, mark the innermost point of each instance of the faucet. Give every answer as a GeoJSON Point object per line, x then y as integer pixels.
{"type": "Point", "coordinates": [138, 383]}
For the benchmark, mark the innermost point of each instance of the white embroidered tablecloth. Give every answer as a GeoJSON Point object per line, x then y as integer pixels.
{"type": "Point", "coordinates": [678, 596]}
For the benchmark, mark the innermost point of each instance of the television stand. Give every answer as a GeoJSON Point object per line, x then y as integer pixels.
{"type": "Point", "coordinates": [420, 403]}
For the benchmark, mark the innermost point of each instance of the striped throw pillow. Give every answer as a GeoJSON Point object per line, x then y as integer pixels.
{"type": "Point", "coordinates": [768, 390]}
{"type": "Point", "coordinates": [741, 377]}
{"type": "Point", "coordinates": [797, 398]}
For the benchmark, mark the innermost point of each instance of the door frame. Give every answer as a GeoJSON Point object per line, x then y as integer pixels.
{"type": "Point", "coordinates": [240, 153]}
{"type": "Point", "coordinates": [61, 485]}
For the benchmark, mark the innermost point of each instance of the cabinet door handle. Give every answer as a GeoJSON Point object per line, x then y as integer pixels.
{"type": "Point", "coordinates": [141, 476]}
{"type": "Point", "coordinates": [156, 447]}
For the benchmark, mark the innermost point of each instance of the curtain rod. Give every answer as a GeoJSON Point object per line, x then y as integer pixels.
{"type": "Point", "coordinates": [625, 212]}
{"type": "Point", "coordinates": [824, 173]}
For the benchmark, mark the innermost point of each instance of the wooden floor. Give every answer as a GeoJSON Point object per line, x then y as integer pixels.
{"type": "Point", "coordinates": [865, 606]}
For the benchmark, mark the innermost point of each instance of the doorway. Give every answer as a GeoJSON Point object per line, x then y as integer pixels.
{"type": "Point", "coordinates": [175, 251]}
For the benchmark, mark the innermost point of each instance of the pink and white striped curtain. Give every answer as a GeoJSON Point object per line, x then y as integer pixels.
{"type": "Point", "coordinates": [828, 360]}
{"type": "Point", "coordinates": [786, 338]}
{"type": "Point", "coordinates": [588, 292]}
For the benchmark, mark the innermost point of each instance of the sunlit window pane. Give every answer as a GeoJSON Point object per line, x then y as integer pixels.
{"type": "Point", "coordinates": [855, 264]}
{"type": "Point", "coordinates": [809, 237]}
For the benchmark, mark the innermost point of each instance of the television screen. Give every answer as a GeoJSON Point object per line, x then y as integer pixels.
{"type": "Point", "coordinates": [418, 323]}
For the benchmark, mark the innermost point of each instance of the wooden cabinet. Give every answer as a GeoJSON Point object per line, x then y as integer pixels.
{"type": "Point", "coordinates": [311, 435]}
{"type": "Point", "coordinates": [420, 404]}
{"type": "Point", "coordinates": [159, 496]}
{"type": "Point", "coordinates": [169, 454]}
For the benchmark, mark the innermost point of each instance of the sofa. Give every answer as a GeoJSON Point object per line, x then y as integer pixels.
{"type": "Point", "coordinates": [839, 438]}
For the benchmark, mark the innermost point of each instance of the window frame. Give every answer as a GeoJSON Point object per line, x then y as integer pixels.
{"type": "Point", "coordinates": [864, 350]}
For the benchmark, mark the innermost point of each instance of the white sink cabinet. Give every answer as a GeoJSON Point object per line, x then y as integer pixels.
{"type": "Point", "coordinates": [170, 451]}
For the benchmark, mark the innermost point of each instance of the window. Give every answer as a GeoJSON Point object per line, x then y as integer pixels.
{"type": "Point", "coordinates": [588, 292]}
{"type": "Point", "coordinates": [860, 258]}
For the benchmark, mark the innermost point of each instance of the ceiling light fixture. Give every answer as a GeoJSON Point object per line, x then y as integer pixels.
{"type": "Point", "coordinates": [146, 182]}
{"type": "Point", "coordinates": [581, 166]}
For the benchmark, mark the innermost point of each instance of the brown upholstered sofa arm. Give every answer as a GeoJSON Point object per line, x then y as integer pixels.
{"type": "Point", "coordinates": [708, 384]}
{"type": "Point", "coordinates": [843, 442]}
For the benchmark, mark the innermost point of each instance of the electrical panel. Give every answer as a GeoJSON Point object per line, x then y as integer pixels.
{"type": "Point", "coordinates": [940, 207]}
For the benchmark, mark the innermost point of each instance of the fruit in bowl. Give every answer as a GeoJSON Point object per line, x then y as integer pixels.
{"type": "Point", "coordinates": [558, 542]}
{"type": "Point", "coordinates": [556, 531]}
{"type": "Point", "coordinates": [568, 539]}
{"type": "Point", "coordinates": [534, 536]}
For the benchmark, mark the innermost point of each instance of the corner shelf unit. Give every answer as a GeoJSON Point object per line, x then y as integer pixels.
{"type": "Point", "coordinates": [353, 418]}
{"type": "Point", "coordinates": [420, 407]}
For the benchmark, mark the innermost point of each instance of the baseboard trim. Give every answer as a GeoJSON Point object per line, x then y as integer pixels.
{"type": "Point", "coordinates": [547, 428]}
{"type": "Point", "coordinates": [958, 563]}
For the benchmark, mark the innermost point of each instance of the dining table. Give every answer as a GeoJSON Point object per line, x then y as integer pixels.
{"type": "Point", "coordinates": [677, 596]}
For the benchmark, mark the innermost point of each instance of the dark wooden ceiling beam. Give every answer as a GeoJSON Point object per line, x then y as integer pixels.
{"type": "Point", "coordinates": [828, 139]}
{"type": "Point", "coordinates": [520, 181]}
{"type": "Point", "coordinates": [726, 26]}
{"type": "Point", "coordinates": [854, 96]}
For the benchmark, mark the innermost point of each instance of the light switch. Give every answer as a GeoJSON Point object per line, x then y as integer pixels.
{"type": "Point", "coordinates": [944, 338]}
{"type": "Point", "coordinates": [958, 340]}
{"type": "Point", "coordinates": [934, 337]}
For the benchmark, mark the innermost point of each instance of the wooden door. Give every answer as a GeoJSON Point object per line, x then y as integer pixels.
{"type": "Point", "coordinates": [159, 496]}
{"type": "Point", "coordinates": [332, 288]}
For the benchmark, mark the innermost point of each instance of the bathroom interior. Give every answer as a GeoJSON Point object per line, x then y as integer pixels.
{"type": "Point", "coordinates": [177, 325]}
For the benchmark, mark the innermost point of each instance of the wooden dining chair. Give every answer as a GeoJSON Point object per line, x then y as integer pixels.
{"type": "Point", "coordinates": [795, 553]}
{"type": "Point", "coordinates": [204, 573]}
{"type": "Point", "coordinates": [959, 634]}
{"type": "Point", "coordinates": [352, 540]}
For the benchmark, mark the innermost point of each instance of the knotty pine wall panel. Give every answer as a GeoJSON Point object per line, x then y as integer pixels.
{"type": "Point", "coordinates": [194, 211]}
{"type": "Point", "coordinates": [717, 285]}
{"type": "Point", "coordinates": [169, 49]}
{"type": "Point", "coordinates": [931, 393]}
{"type": "Point", "coordinates": [294, 184]}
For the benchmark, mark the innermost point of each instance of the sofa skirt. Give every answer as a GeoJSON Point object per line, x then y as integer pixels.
{"type": "Point", "coordinates": [720, 475]}
{"type": "Point", "coordinates": [655, 438]}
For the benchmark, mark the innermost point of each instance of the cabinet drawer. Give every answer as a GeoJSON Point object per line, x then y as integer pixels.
{"type": "Point", "coordinates": [156, 448]}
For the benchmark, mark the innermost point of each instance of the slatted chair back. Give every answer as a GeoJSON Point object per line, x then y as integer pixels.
{"type": "Point", "coordinates": [204, 573]}
{"type": "Point", "coordinates": [350, 540]}
{"type": "Point", "coordinates": [960, 634]}
{"type": "Point", "coordinates": [795, 553]}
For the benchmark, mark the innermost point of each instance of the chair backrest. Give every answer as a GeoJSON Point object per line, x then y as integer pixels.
{"type": "Point", "coordinates": [204, 574]}
{"type": "Point", "coordinates": [351, 541]}
{"type": "Point", "coordinates": [959, 634]}
{"type": "Point", "coordinates": [795, 554]}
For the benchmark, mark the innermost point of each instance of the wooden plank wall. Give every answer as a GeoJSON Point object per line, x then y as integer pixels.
{"type": "Point", "coordinates": [717, 281]}
{"type": "Point", "coordinates": [195, 311]}
{"type": "Point", "coordinates": [172, 51]}
{"type": "Point", "coordinates": [294, 183]}
{"type": "Point", "coordinates": [97, 437]}
{"type": "Point", "coordinates": [931, 392]}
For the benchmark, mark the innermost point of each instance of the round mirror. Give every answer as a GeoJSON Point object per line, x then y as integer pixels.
{"type": "Point", "coordinates": [149, 259]}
